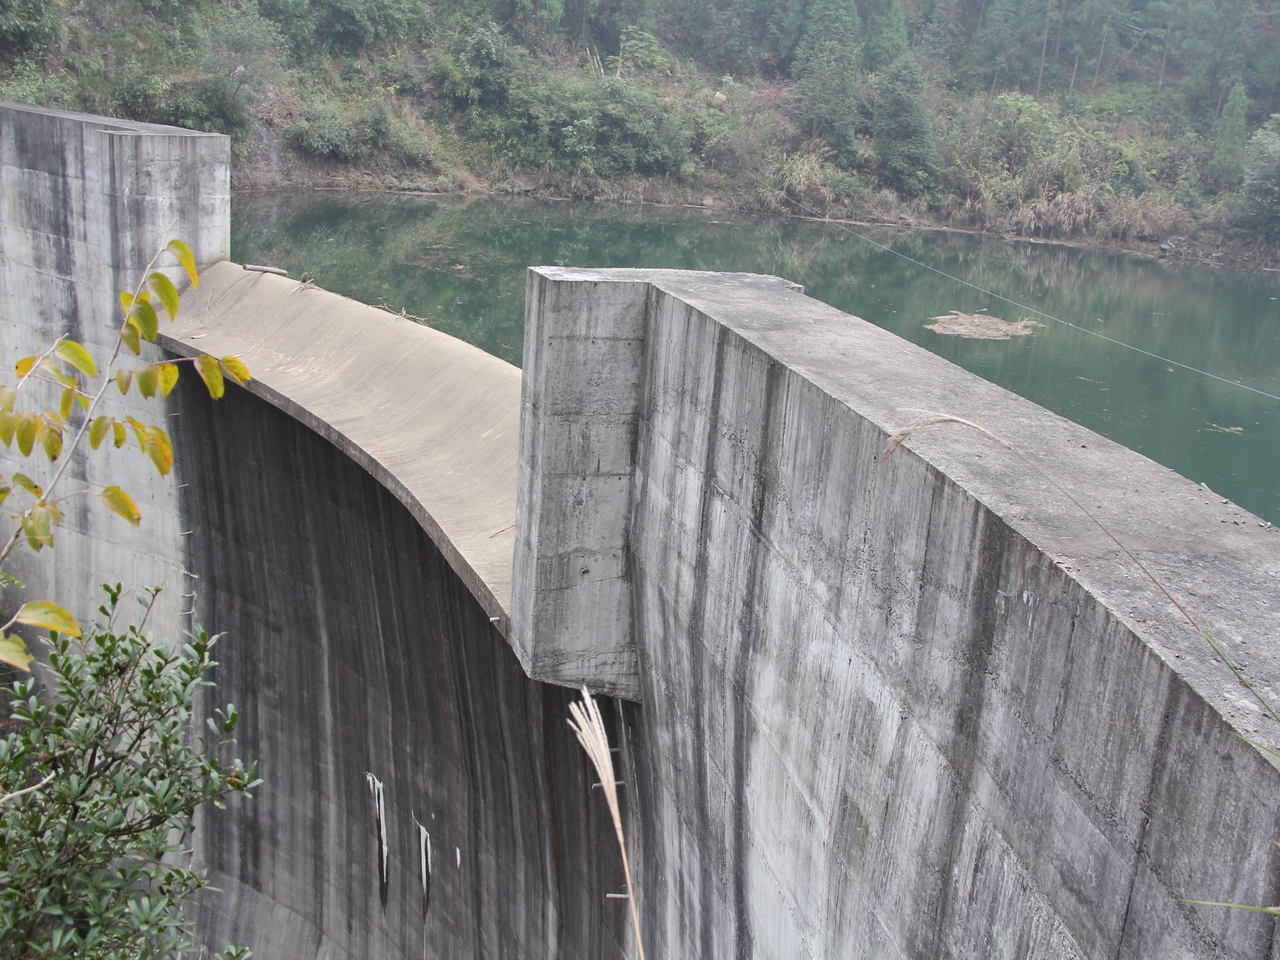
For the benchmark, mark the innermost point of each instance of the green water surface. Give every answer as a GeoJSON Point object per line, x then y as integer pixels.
{"type": "Point", "coordinates": [460, 266]}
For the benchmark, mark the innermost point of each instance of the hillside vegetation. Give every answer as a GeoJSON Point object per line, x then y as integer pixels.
{"type": "Point", "coordinates": [1107, 120]}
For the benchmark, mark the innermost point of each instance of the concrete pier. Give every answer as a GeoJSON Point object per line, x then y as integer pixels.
{"type": "Point", "coordinates": [920, 706]}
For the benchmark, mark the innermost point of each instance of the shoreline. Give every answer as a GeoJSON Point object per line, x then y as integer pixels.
{"type": "Point", "coordinates": [1218, 252]}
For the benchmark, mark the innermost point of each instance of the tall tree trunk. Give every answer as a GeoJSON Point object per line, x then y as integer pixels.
{"type": "Point", "coordinates": [1062, 18]}
{"type": "Point", "coordinates": [1217, 111]}
{"type": "Point", "coordinates": [981, 14]}
{"type": "Point", "coordinates": [1163, 59]}
{"type": "Point", "coordinates": [1072, 88]}
{"type": "Point", "coordinates": [993, 81]}
{"type": "Point", "coordinates": [1101, 51]}
{"type": "Point", "coordinates": [1044, 46]}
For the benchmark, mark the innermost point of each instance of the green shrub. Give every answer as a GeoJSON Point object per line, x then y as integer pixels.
{"type": "Point", "coordinates": [607, 127]}
{"type": "Point", "coordinates": [101, 775]}
{"type": "Point", "coordinates": [325, 132]}
{"type": "Point", "coordinates": [1262, 180]}
{"type": "Point", "coordinates": [27, 25]}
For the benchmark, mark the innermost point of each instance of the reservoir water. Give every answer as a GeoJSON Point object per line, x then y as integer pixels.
{"type": "Point", "coordinates": [459, 266]}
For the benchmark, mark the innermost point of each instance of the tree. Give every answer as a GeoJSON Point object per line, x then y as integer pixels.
{"type": "Point", "coordinates": [826, 70]}
{"type": "Point", "coordinates": [886, 34]}
{"type": "Point", "coordinates": [99, 777]}
{"type": "Point", "coordinates": [1227, 165]}
{"type": "Point", "coordinates": [69, 368]}
{"type": "Point", "coordinates": [903, 133]}
{"type": "Point", "coordinates": [1262, 179]}
{"type": "Point", "coordinates": [100, 780]}
{"type": "Point", "coordinates": [27, 25]}
{"type": "Point", "coordinates": [832, 29]}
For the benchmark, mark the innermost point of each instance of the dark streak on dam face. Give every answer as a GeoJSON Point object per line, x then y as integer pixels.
{"type": "Point", "coordinates": [352, 648]}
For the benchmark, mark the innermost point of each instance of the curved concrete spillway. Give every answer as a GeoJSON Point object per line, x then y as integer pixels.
{"type": "Point", "coordinates": [917, 706]}
{"type": "Point", "coordinates": [433, 419]}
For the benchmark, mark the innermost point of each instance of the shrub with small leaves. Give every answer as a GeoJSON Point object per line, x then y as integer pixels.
{"type": "Point", "coordinates": [101, 774]}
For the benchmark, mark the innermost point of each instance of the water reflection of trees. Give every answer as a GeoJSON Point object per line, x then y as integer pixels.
{"type": "Point", "coordinates": [461, 266]}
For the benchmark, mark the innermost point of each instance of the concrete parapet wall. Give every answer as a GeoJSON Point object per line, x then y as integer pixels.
{"type": "Point", "coordinates": [919, 707]}
{"type": "Point", "coordinates": [85, 203]}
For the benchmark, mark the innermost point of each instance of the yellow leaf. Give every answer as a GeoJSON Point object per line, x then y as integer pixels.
{"type": "Point", "coordinates": [183, 253]}
{"type": "Point", "coordinates": [236, 370]}
{"type": "Point", "coordinates": [160, 450]}
{"type": "Point", "coordinates": [5, 490]}
{"type": "Point", "coordinates": [55, 371]}
{"type": "Point", "coordinates": [140, 431]}
{"type": "Point", "coordinates": [131, 334]}
{"type": "Point", "coordinates": [211, 374]}
{"type": "Point", "coordinates": [120, 502]}
{"type": "Point", "coordinates": [77, 356]}
{"type": "Point", "coordinates": [118, 434]}
{"type": "Point", "coordinates": [14, 652]}
{"type": "Point", "coordinates": [147, 378]}
{"type": "Point", "coordinates": [168, 378]}
{"type": "Point", "coordinates": [27, 484]}
{"type": "Point", "coordinates": [52, 440]}
{"type": "Point", "coordinates": [64, 407]}
{"type": "Point", "coordinates": [7, 396]}
{"type": "Point", "coordinates": [48, 616]}
{"type": "Point", "coordinates": [126, 301]}
{"type": "Point", "coordinates": [25, 366]}
{"type": "Point", "coordinates": [28, 424]}
{"type": "Point", "coordinates": [166, 291]}
{"type": "Point", "coordinates": [98, 431]}
{"type": "Point", "coordinates": [7, 420]}
{"type": "Point", "coordinates": [145, 314]}
{"type": "Point", "coordinates": [38, 526]}
{"type": "Point", "coordinates": [123, 379]}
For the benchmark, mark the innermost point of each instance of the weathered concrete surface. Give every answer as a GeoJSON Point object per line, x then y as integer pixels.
{"type": "Point", "coordinates": [914, 708]}
{"type": "Point", "coordinates": [352, 647]}
{"type": "Point", "coordinates": [358, 634]}
{"type": "Point", "coordinates": [433, 419]}
{"type": "Point", "coordinates": [85, 202]}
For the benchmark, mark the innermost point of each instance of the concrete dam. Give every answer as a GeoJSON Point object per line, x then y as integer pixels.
{"type": "Point", "coordinates": [906, 706]}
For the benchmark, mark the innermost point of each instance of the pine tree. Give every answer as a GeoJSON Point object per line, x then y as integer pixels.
{"type": "Point", "coordinates": [826, 68]}
{"type": "Point", "coordinates": [886, 34]}
{"type": "Point", "coordinates": [832, 31]}
{"type": "Point", "coordinates": [903, 133]}
{"type": "Point", "coordinates": [1227, 165]}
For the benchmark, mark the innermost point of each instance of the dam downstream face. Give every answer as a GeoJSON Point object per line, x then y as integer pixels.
{"type": "Point", "coordinates": [460, 266]}
{"type": "Point", "coordinates": [908, 705]}
{"type": "Point", "coordinates": [355, 654]}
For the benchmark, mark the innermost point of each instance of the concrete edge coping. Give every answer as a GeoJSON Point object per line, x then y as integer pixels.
{"type": "Point", "coordinates": [113, 125]}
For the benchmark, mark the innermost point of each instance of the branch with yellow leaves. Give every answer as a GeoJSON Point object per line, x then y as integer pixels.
{"type": "Point", "coordinates": [68, 365]}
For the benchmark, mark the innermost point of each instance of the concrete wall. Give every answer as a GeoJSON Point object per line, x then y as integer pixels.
{"type": "Point", "coordinates": [348, 525]}
{"type": "Point", "coordinates": [85, 202]}
{"type": "Point", "coordinates": [352, 649]}
{"type": "Point", "coordinates": [916, 707]}
{"type": "Point", "coordinates": [353, 517]}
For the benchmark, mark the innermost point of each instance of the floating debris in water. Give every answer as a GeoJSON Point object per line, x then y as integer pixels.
{"type": "Point", "coordinates": [1238, 431]}
{"type": "Point", "coordinates": [980, 326]}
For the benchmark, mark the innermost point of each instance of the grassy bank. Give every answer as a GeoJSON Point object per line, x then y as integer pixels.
{"type": "Point", "coordinates": [393, 95]}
